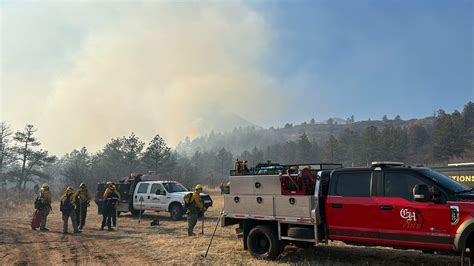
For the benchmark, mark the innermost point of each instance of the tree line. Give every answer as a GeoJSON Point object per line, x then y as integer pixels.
{"type": "Point", "coordinates": [449, 138]}
{"type": "Point", "coordinates": [435, 141]}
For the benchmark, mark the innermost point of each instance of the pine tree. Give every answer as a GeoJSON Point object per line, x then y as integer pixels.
{"type": "Point", "coordinates": [304, 150]}
{"type": "Point", "coordinates": [31, 160]}
{"type": "Point", "coordinates": [331, 150]}
{"type": "Point", "coordinates": [449, 137]}
{"type": "Point", "coordinates": [468, 116]}
{"type": "Point", "coordinates": [369, 145]}
{"type": "Point", "coordinates": [418, 143]}
{"type": "Point", "coordinates": [348, 140]}
{"type": "Point", "coordinates": [157, 156]}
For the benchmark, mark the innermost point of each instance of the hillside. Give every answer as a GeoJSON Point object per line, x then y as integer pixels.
{"type": "Point", "coordinates": [246, 138]}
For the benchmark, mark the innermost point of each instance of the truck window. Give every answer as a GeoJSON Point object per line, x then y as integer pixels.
{"type": "Point", "coordinates": [174, 187]}
{"type": "Point", "coordinates": [400, 185]}
{"type": "Point", "coordinates": [143, 188]}
{"type": "Point", "coordinates": [443, 180]}
{"type": "Point", "coordinates": [353, 184]}
{"type": "Point", "coordinates": [155, 187]}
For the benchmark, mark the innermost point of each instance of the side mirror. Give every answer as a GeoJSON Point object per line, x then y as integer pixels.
{"type": "Point", "coordinates": [421, 193]}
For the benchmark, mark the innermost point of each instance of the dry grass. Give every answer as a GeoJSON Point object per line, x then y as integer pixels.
{"type": "Point", "coordinates": [168, 243]}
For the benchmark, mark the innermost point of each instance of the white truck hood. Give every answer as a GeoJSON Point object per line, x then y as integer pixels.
{"type": "Point", "coordinates": [180, 195]}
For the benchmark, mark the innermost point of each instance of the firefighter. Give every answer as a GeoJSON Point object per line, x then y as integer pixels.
{"type": "Point", "coordinates": [196, 206]}
{"type": "Point", "coordinates": [45, 196]}
{"type": "Point", "coordinates": [245, 167]}
{"type": "Point", "coordinates": [83, 198]}
{"type": "Point", "coordinates": [104, 206]}
{"type": "Point", "coordinates": [67, 207]}
{"type": "Point", "coordinates": [236, 167]}
{"type": "Point", "coordinates": [222, 186]}
{"type": "Point", "coordinates": [42, 208]}
{"type": "Point", "coordinates": [114, 211]}
{"type": "Point", "coordinates": [111, 200]}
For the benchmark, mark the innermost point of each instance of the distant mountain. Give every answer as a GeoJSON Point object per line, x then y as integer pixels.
{"type": "Point", "coordinates": [218, 119]}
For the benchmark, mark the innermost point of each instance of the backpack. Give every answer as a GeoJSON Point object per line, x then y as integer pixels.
{"type": "Point", "coordinates": [67, 205]}
{"type": "Point", "coordinates": [187, 200]}
{"type": "Point", "coordinates": [39, 203]}
{"type": "Point", "coordinates": [112, 199]}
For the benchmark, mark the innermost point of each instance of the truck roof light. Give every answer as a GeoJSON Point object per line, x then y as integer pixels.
{"type": "Point", "coordinates": [459, 164]}
{"type": "Point", "coordinates": [387, 164]}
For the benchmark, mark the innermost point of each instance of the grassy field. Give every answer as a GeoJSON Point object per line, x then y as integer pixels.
{"type": "Point", "coordinates": [168, 243]}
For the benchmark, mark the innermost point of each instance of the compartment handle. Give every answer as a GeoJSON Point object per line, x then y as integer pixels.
{"type": "Point", "coordinates": [259, 200]}
{"type": "Point", "coordinates": [258, 185]}
{"type": "Point", "coordinates": [236, 199]}
{"type": "Point", "coordinates": [292, 201]}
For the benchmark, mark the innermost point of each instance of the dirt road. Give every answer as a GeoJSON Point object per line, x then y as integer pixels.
{"type": "Point", "coordinates": [21, 245]}
{"type": "Point", "coordinates": [168, 243]}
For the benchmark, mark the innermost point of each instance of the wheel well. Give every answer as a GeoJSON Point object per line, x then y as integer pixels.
{"type": "Point", "coordinates": [174, 203]}
{"type": "Point", "coordinates": [464, 234]}
{"type": "Point", "coordinates": [470, 240]}
{"type": "Point", "coordinates": [249, 224]}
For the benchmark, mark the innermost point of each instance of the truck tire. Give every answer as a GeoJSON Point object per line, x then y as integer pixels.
{"type": "Point", "coordinates": [470, 255]}
{"type": "Point", "coordinates": [176, 211]}
{"type": "Point", "coordinates": [301, 232]}
{"type": "Point", "coordinates": [263, 243]}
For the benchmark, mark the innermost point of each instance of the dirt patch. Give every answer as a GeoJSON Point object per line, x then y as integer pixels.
{"type": "Point", "coordinates": [168, 243]}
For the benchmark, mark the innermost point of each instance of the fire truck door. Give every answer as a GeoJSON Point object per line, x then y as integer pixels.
{"type": "Point", "coordinates": [350, 209]}
{"type": "Point", "coordinates": [407, 222]}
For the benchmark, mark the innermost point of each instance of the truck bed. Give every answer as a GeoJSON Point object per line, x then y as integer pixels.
{"type": "Point", "coordinates": [270, 207]}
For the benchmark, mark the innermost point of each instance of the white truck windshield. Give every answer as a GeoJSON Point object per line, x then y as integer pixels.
{"type": "Point", "coordinates": [174, 187]}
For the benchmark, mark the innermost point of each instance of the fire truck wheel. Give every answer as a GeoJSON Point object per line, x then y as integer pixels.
{"type": "Point", "coordinates": [471, 253]}
{"type": "Point", "coordinates": [301, 232]}
{"type": "Point", "coordinates": [263, 243]}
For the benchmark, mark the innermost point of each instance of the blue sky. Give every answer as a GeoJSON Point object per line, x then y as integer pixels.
{"type": "Point", "coordinates": [370, 58]}
{"type": "Point", "coordinates": [95, 70]}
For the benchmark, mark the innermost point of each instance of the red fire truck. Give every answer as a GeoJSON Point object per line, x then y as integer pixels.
{"type": "Point", "coordinates": [387, 204]}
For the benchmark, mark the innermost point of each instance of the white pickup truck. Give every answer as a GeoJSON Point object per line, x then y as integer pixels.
{"type": "Point", "coordinates": [163, 196]}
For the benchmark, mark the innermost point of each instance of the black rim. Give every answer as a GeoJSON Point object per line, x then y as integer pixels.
{"type": "Point", "coordinates": [261, 244]}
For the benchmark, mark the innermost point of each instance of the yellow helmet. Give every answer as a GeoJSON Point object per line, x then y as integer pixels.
{"type": "Point", "coordinates": [198, 186]}
{"type": "Point", "coordinates": [45, 186]}
{"type": "Point", "coordinates": [69, 190]}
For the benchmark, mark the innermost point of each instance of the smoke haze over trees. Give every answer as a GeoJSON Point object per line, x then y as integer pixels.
{"type": "Point", "coordinates": [430, 141]}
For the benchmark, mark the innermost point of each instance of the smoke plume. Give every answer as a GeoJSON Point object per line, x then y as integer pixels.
{"type": "Point", "coordinates": [157, 68]}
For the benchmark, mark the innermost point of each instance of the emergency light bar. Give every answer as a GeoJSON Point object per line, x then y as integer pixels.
{"type": "Point", "coordinates": [382, 164]}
